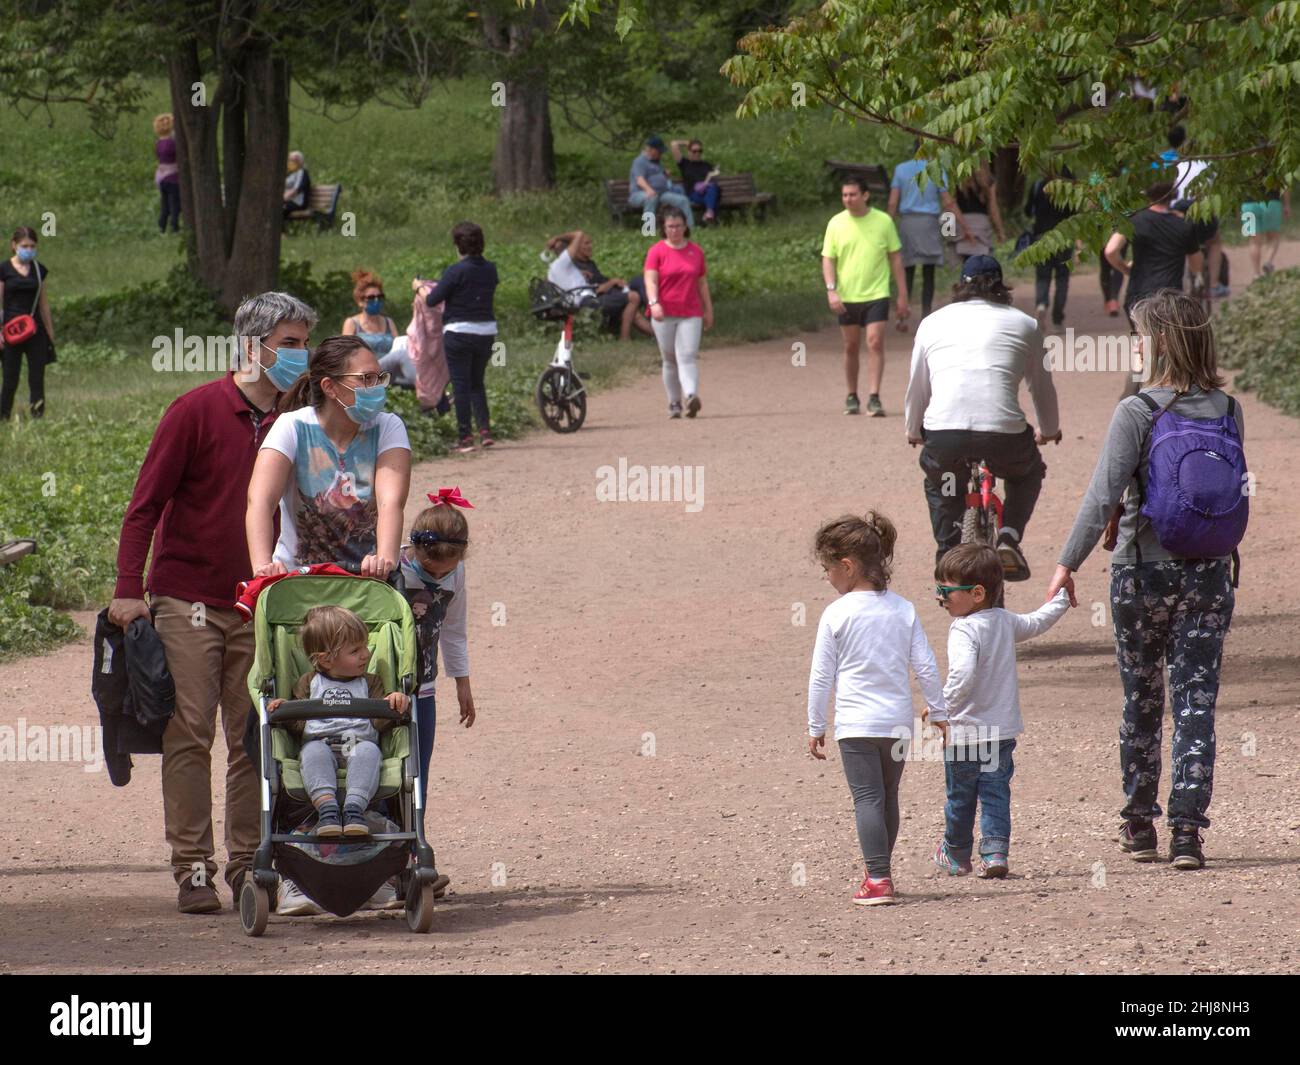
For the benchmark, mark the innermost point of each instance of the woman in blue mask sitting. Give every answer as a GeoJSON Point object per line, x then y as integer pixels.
{"type": "Point", "coordinates": [337, 465]}
{"type": "Point", "coordinates": [378, 330]}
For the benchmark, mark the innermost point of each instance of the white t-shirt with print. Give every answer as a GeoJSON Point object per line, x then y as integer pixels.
{"type": "Point", "coordinates": [328, 512]}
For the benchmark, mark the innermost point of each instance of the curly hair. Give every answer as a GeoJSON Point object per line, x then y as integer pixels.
{"type": "Point", "coordinates": [868, 540]}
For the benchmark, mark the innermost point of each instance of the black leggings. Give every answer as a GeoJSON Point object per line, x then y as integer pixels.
{"type": "Point", "coordinates": [468, 355]}
{"type": "Point", "coordinates": [927, 285]}
{"type": "Point", "coordinates": [170, 197]}
{"type": "Point", "coordinates": [35, 350]}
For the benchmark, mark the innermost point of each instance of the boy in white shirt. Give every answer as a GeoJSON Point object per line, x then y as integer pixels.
{"type": "Point", "coordinates": [983, 701]}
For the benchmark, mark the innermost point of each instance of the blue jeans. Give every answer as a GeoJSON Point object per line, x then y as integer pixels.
{"type": "Point", "coordinates": [670, 197]}
{"type": "Point", "coordinates": [708, 199]}
{"type": "Point", "coordinates": [978, 773]}
{"type": "Point", "coordinates": [424, 719]}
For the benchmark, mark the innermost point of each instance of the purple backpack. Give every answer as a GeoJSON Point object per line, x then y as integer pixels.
{"type": "Point", "coordinates": [1196, 496]}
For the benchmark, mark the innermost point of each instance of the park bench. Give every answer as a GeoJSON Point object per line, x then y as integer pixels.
{"type": "Point", "coordinates": [322, 205]}
{"type": "Point", "coordinates": [738, 194]}
{"type": "Point", "coordinates": [875, 175]}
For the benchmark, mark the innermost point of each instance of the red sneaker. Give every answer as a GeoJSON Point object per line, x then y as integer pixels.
{"type": "Point", "coordinates": [1112, 308]}
{"type": "Point", "coordinates": [875, 892]}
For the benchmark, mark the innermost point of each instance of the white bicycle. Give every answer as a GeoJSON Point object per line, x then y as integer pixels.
{"type": "Point", "coordinates": [561, 394]}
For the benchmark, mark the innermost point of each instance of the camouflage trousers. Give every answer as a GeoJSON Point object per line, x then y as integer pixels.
{"type": "Point", "coordinates": [1172, 615]}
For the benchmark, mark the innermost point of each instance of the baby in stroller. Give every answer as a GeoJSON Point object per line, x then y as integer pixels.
{"type": "Point", "coordinates": [335, 640]}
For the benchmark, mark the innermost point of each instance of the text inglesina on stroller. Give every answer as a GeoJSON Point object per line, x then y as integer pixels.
{"type": "Point", "coordinates": [340, 886]}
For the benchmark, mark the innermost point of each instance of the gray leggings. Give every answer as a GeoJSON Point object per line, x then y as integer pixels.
{"type": "Point", "coordinates": [874, 773]}
{"type": "Point", "coordinates": [319, 770]}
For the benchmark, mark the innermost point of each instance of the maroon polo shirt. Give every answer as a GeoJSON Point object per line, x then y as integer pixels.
{"type": "Point", "coordinates": [190, 500]}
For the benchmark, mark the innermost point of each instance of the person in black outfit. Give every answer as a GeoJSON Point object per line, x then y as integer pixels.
{"type": "Point", "coordinates": [1046, 215]}
{"type": "Point", "coordinates": [468, 329]}
{"type": "Point", "coordinates": [22, 291]}
{"type": "Point", "coordinates": [697, 173]}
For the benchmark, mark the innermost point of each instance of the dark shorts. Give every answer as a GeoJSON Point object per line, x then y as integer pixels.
{"type": "Point", "coordinates": [865, 313]}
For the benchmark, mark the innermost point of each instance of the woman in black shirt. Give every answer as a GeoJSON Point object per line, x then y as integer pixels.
{"type": "Point", "coordinates": [469, 330]}
{"type": "Point", "coordinates": [22, 291]}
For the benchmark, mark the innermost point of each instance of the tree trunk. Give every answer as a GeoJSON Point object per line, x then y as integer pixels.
{"type": "Point", "coordinates": [234, 236]}
{"type": "Point", "coordinates": [525, 151]}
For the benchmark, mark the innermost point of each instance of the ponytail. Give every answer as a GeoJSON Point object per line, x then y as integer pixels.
{"type": "Point", "coordinates": [868, 540]}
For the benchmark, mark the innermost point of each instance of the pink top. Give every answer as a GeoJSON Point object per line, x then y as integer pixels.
{"type": "Point", "coordinates": [679, 270]}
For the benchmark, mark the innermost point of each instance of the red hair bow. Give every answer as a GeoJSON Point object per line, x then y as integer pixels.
{"type": "Point", "coordinates": [450, 496]}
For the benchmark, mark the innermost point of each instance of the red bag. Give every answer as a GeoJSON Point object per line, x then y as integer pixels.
{"type": "Point", "coordinates": [23, 326]}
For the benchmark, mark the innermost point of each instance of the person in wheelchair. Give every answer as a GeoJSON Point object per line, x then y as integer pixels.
{"type": "Point", "coordinates": [574, 270]}
{"type": "Point", "coordinates": [963, 405]}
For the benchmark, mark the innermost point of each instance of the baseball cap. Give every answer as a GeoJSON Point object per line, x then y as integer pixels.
{"type": "Point", "coordinates": [980, 265]}
{"type": "Point", "coordinates": [653, 141]}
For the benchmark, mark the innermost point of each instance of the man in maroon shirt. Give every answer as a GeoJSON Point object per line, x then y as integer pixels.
{"type": "Point", "coordinates": [189, 501]}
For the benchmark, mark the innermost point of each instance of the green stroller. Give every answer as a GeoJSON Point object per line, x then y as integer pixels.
{"type": "Point", "coordinates": [338, 876]}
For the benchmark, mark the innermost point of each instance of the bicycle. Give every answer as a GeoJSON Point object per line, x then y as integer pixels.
{"type": "Point", "coordinates": [561, 394]}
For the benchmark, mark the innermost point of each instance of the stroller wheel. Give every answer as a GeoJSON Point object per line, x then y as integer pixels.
{"type": "Point", "coordinates": [254, 908]}
{"type": "Point", "coordinates": [419, 908]}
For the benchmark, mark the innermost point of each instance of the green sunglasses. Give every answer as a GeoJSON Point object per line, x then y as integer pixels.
{"type": "Point", "coordinates": [942, 590]}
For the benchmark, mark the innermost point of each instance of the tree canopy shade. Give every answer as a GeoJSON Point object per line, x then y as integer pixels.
{"type": "Point", "coordinates": [1058, 82]}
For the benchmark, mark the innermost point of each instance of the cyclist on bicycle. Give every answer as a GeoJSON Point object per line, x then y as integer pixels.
{"type": "Point", "coordinates": [962, 404]}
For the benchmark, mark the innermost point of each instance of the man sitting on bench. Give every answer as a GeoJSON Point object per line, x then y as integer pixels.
{"type": "Point", "coordinates": [619, 298]}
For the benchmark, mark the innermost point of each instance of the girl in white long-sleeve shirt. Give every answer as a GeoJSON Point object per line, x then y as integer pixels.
{"type": "Point", "coordinates": [867, 641]}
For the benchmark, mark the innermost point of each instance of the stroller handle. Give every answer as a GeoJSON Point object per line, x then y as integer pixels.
{"type": "Point", "coordinates": [355, 569]}
{"type": "Point", "coordinates": [314, 709]}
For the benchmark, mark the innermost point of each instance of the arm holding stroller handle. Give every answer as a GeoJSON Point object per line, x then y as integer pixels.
{"type": "Point", "coordinates": [355, 569]}
{"type": "Point", "coordinates": [312, 709]}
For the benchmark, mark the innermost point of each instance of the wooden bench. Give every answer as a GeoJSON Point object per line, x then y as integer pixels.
{"type": "Point", "coordinates": [322, 206]}
{"type": "Point", "coordinates": [738, 194]}
{"type": "Point", "coordinates": [875, 175]}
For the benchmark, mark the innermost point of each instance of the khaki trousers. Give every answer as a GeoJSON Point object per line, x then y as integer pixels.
{"type": "Point", "coordinates": [209, 663]}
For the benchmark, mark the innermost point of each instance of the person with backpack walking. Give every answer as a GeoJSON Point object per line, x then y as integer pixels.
{"type": "Point", "coordinates": [1174, 454]}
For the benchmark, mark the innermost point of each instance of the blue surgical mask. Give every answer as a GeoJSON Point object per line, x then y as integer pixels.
{"type": "Point", "coordinates": [366, 403]}
{"type": "Point", "coordinates": [26, 255]}
{"type": "Point", "coordinates": [374, 306]}
{"type": "Point", "coordinates": [290, 364]}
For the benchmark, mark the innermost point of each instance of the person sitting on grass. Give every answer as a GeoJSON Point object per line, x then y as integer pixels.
{"type": "Point", "coordinates": [983, 700]}
{"type": "Point", "coordinates": [574, 270]}
{"type": "Point", "coordinates": [336, 641]}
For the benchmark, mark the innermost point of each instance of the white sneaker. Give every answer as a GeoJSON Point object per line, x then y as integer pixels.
{"type": "Point", "coordinates": [293, 903]}
{"type": "Point", "coordinates": [385, 898]}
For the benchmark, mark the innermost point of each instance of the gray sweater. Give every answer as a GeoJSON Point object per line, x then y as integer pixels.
{"type": "Point", "coordinates": [1122, 471]}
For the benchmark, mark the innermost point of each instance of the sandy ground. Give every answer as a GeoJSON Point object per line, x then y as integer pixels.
{"type": "Point", "coordinates": [637, 794]}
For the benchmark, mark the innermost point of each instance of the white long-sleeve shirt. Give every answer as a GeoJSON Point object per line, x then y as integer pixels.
{"type": "Point", "coordinates": [982, 693]}
{"type": "Point", "coordinates": [866, 644]}
{"type": "Point", "coordinates": [967, 364]}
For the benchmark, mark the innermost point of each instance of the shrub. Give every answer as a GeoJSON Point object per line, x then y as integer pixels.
{"type": "Point", "coordinates": [1257, 335]}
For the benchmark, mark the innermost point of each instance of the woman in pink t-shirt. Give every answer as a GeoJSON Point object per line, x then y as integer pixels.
{"type": "Point", "coordinates": [677, 293]}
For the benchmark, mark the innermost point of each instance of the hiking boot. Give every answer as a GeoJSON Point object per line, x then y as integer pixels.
{"type": "Point", "coordinates": [947, 863]}
{"type": "Point", "coordinates": [1014, 565]}
{"type": "Point", "coordinates": [875, 892]}
{"type": "Point", "coordinates": [992, 866]}
{"type": "Point", "coordinates": [196, 898]}
{"type": "Point", "coordinates": [851, 404]}
{"type": "Point", "coordinates": [674, 410]}
{"type": "Point", "coordinates": [1137, 839]}
{"type": "Point", "coordinates": [692, 406]}
{"type": "Point", "coordinates": [1185, 849]}
{"type": "Point", "coordinates": [873, 406]}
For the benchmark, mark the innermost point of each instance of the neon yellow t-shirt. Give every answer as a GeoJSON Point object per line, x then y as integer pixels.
{"type": "Point", "coordinates": [860, 248]}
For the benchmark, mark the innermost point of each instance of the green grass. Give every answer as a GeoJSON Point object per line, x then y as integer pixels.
{"type": "Point", "coordinates": [407, 176]}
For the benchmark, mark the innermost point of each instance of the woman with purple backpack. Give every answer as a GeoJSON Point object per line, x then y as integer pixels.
{"type": "Point", "coordinates": [1171, 493]}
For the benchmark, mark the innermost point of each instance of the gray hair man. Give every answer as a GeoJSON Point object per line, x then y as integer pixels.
{"type": "Point", "coordinates": [189, 502]}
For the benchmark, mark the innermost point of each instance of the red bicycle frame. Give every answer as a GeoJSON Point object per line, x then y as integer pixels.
{"type": "Point", "coordinates": [985, 496]}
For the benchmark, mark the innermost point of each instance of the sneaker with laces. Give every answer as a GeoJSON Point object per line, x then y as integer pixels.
{"type": "Point", "coordinates": [384, 898]}
{"type": "Point", "coordinates": [947, 863]}
{"type": "Point", "coordinates": [1137, 839]}
{"type": "Point", "coordinates": [873, 406]}
{"type": "Point", "coordinates": [1014, 565]}
{"type": "Point", "coordinates": [992, 866]}
{"type": "Point", "coordinates": [851, 404]}
{"type": "Point", "coordinates": [465, 446]}
{"type": "Point", "coordinates": [674, 410]}
{"type": "Point", "coordinates": [875, 892]}
{"type": "Point", "coordinates": [293, 903]}
{"type": "Point", "coordinates": [1185, 849]}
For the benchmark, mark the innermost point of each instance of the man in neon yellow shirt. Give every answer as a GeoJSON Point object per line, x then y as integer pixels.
{"type": "Point", "coordinates": [860, 250]}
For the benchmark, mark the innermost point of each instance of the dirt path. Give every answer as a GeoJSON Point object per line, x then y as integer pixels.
{"type": "Point", "coordinates": [632, 627]}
